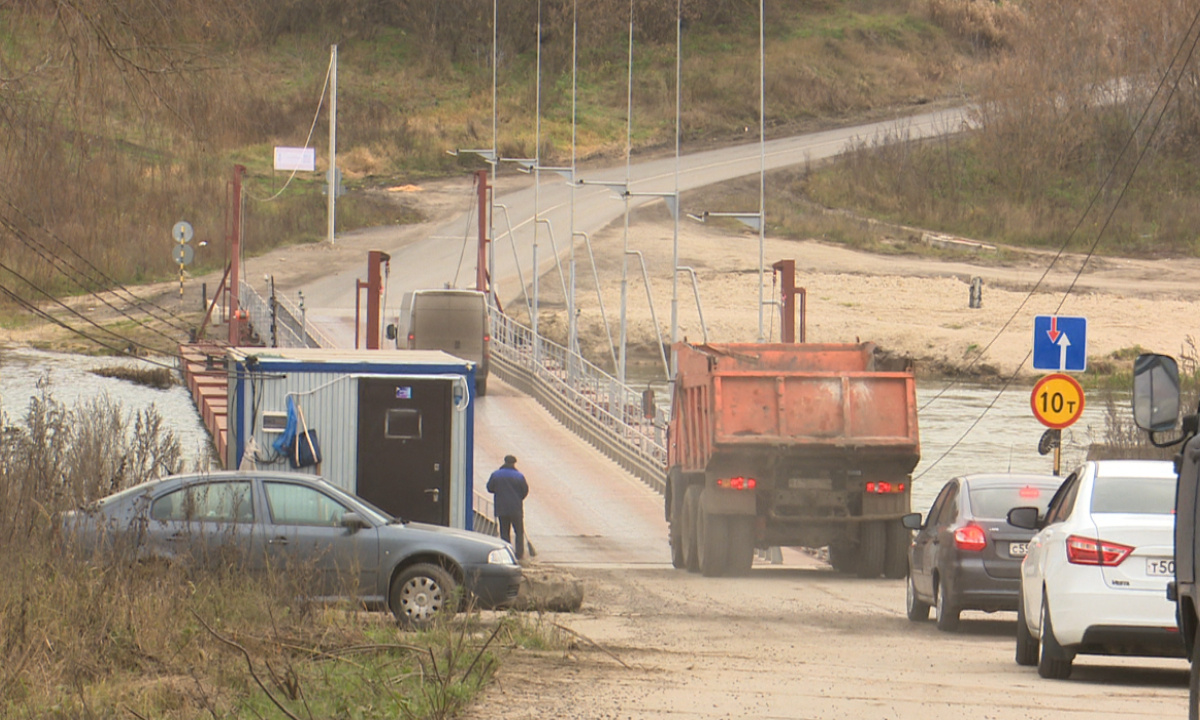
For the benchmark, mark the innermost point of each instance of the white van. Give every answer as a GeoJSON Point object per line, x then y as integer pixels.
{"type": "Point", "coordinates": [455, 321]}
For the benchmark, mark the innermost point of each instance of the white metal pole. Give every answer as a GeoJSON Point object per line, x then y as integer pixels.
{"type": "Point", "coordinates": [537, 180]}
{"type": "Point", "coordinates": [625, 236]}
{"type": "Point", "coordinates": [572, 328]}
{"type": "Point", "coordinates": [495, 162]}
{"type": "Point", "coordinates": [675, 243]}
{"type": "Point", "coordinates": [331, 203]}
{"type": "Point", "coordinates": [762, 167]}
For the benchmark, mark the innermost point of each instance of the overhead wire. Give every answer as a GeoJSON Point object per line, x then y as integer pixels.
{"type": "Point", "coordinates": [466, 237]}
{"type": "Point", "coordinates": [113, 283]}
{"type": "Point", "coordinates": [42, 313]}
{"type": "Point", "coordinates": [131, 342]}
{"type": "Point", "coordinates": [312, 128]}
{"type": "Point", "coordinates": [1108, 218]}
{"type": "Point", "coordinates": [1087, 211]}
{"type": "Point", "coordinates": [54, 260]}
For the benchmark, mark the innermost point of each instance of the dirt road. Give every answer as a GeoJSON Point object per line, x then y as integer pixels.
{"type": "Point", "coordinates": [800, 641]}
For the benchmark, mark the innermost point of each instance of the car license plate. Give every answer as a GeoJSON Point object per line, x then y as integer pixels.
{"type": "Point", "coordinates": [1018, 549]}
{"type": "Point", "coordinates": [1160, 566]}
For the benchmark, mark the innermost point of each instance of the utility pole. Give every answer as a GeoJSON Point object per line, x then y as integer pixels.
{"type": "Point", "coordinates": [333, 184]}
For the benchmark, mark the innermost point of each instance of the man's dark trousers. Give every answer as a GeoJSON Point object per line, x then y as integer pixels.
{"type": "Point", "coordinates": [517, 523]}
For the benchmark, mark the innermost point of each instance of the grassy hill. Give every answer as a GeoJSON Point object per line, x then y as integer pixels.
{"type": "Point", "coordinates": [122, 118]}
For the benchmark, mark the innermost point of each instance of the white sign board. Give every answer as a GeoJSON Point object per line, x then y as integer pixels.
{"type": "Point", "coordinates": [287, 158]}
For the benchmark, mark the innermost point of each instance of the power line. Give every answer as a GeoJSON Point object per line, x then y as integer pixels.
{"type": "Point", "coordinates": [116, 284]}
{"type": "Point", "coordinates": [1108, 219]}
{"type": "Point", "coordinates": [75, 312]}
{"type": "Point", "coordinates": [1091, 204]}
{"type": "Point", "coordinates": [38, 311]}
{"type": "Point", "coordinates": [53, 257]}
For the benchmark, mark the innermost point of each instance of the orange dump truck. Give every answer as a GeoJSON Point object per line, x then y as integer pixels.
{"type": "Point", "coordinates": [790, 445]}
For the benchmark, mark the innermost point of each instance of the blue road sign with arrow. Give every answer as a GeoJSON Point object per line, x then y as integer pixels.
{"type": "Point", "coordinates": [1060, 343]}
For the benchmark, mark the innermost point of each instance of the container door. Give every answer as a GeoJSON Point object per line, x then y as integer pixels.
{"type": "Point", "coordinates": [404, 447]}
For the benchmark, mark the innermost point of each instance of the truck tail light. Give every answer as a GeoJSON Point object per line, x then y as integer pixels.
{"type": "Point", "coordinates": [737, 483]}
{"type": "Point", "coordinates": [412, 341]}
{"type": "Point", "coordinates": [970, 538]}
{"type": "Point", "coordinates": [883, 487]}
{"type": "Point", "coordinates": [1089, 551]}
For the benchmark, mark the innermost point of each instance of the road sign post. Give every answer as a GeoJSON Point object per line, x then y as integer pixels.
{"type": "Point", "coordinates": [1057, 401]}
{"type": "Point", "coordinates": [1060, 343]}
{"type": "Point", "coordinates": [183, 254]}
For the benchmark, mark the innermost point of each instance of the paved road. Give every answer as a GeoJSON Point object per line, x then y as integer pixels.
{"type": "Point", "coordinates": [436, 259]}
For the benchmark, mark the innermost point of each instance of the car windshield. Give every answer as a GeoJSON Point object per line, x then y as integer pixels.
{"type": "Point", "coordinates": [127, 492]}
{"type": "Point", "coordinates": [1137, 495]}
{"type": "Point", "coordinates": [995, 502]}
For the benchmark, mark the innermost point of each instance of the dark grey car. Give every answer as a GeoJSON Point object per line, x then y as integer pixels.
{"type": "Point", "coordinates": [966, 556]}
{"type": "Point", "coordinates": [346, 547]}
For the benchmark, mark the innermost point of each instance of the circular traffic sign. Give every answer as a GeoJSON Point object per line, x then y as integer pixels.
{"type": "Point", "coordinates": [1057, 401]}
{"type": "Point", "coordinates": [182, 231]}
{"type": "Point", "coordinates": [183, 254]}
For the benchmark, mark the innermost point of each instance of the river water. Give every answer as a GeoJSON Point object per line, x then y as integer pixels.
{"type": "Point", "coordinates": [1004, 438]}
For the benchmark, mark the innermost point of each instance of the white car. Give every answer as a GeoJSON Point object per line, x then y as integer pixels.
{"type": "Point", "coordinates": [1094, 581]}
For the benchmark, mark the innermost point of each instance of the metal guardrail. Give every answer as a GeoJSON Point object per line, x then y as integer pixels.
{"type": "Point", "coordinates": [587, 400]}
{"type": "Point", "coordinates": [290, 328]}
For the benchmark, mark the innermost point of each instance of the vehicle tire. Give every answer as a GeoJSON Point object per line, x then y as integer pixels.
{"type": "Point", "coordinates": [1194, 682]}
{"type": "Point", "coordinates": [741, 544]}
{"type": "Point", "coordinates": [946, 611]}
{"type": "Point", "coordinates": [675, 531]}
{"type": "Point", "coordinates": [421, 593]}
{"type": "Point", "coordinates": [918, 609]}
{"type": "Point", "coordinates": [481, 386]}
{"type": "Point", "coordinates": [899, 538]}
{"type": "Point", "coordinates": [712, 542]}
{"type": "Point", "coordinates": [691, 511]}
{"type": "Point", "coordinates": [1054, 662]}
{"type": "Point", "coordinates": [1028, 646]}
{"type": "Point", "coordinates": [872, 549]}
{"type": "Point", "coordinates": [842, 556]}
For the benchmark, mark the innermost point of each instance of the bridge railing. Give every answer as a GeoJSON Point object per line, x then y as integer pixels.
{"type": "Point", "coordinates": [583, 397]}
{"type": "Point", "coordinates": [290, 328]}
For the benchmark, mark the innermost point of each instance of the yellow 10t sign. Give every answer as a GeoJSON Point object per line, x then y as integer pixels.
{"type": "Point", "coordinates": [1057, 400]}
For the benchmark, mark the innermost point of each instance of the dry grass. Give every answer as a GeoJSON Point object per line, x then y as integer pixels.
{"type": "Point", "coordinates": [102, 636]}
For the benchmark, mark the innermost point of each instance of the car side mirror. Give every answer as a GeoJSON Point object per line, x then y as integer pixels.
{"type": "Point", "coordinates": [353, 521]}
{"type": "Point", "coordinates": [912, 521]}
{"type": "Point", "coordinates": [391, 332]}
{"type": "Point", "coordinates": [1155, 392]}
{"type": "Point", "coordinates": [1024, 517]}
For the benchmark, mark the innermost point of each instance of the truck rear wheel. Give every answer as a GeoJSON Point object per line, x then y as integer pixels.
{"type": "Point", "coordinates": [895, 565]}
{"type": "Point", "coordinates": [675, 519]}
{"type": "Point", "coordinates": [691, 509]}
{"type": "Point", "coordinates": [842, 556]}
{"type": "Point", "coordinates": [741, 544]}
{"type": "Point", "coordinates": [712, 543]}
{"type": "Point", "coordinates": [872, 549]}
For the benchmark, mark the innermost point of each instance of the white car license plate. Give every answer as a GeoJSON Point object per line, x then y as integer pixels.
{"type": "Point", "coordinates": [1018, 549]}
{"type": "Point", "coordinates": [1160, 566]}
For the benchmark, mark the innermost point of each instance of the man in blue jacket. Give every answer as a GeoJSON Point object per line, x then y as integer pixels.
{"type": "Point", "coordinates": [509, 489]}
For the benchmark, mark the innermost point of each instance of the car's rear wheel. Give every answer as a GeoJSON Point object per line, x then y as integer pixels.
{"type": "Point", "coordinates": [1027, 644]}
{"type": "Point", "coordinates": [872, 549]}
{"type": "Point", "coordinates": [918, 609]}
{"type": "Point", "coordinates": [676, 522]}
{"type": "Point", "coordinates": [947, 612]}
{"type": "Point", "coordinates": [1054, 662]}
{"type": "Point", "coordinates": [895, 565]}
{"type": "Point", "coordinates": [421, 593]}
{"type": "Point", "coordinates": [691, 508]}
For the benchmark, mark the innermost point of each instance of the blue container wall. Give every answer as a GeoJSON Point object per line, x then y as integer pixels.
{"type": "Point", "coordinates": [327, 394]}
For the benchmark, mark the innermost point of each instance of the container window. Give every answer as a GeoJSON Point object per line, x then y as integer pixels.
{"type": "Point", "coordinates": [403, 424]}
